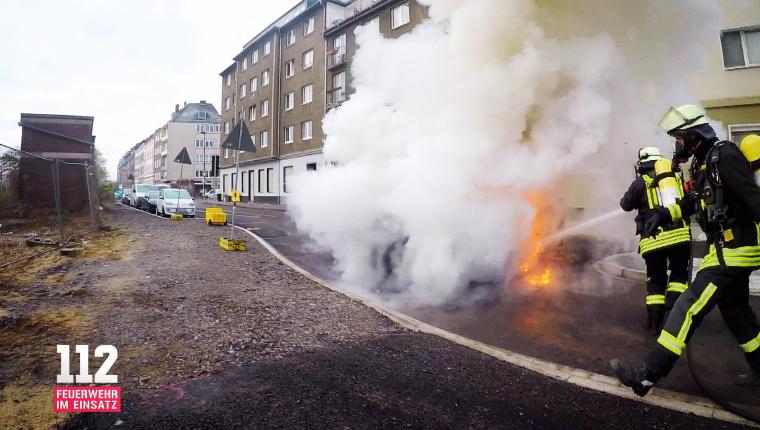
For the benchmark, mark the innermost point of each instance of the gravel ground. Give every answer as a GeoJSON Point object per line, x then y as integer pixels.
{"type": "Point", "coordinates": [178, 306]}
{"type": "Point", "coordinates": [216, 339]}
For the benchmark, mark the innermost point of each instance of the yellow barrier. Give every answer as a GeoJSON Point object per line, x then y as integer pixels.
{"type": "Point", "coordinates": [232, 244]}
{"type": "Point", "coordinates": [216, 216]}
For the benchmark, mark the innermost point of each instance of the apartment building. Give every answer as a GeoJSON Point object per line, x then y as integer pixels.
{"type": "Point", "coordinates": [729, 89]}
{"type": "Point", "coordinates": [125, 168]}
{"type": "Point", "coordinates": [282, 82]}
{"type": "Point", "coordinates": [194, 127]}
{"type": "Point", "coordinates": [392, 18]}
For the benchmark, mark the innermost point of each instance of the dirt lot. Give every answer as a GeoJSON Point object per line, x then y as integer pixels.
{"type": "Point", "coordinates": [174, 304]}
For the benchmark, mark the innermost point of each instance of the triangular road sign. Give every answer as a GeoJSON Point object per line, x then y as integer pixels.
{"type": "Point", "coordinates": [183, 157]}
{"type": "Point", "coordinates": [239, 140]}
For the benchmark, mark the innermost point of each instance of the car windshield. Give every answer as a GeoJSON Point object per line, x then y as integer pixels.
{"type": "Point", "coordinates": [172, 194]}
{"type": "Point", "coordinates": [145, 188]}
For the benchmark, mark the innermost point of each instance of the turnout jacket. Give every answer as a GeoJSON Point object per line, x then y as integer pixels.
{"type": "Point", "coordinates": [726, 200]}
{"type": "Point", "coordinates": [642, 195]}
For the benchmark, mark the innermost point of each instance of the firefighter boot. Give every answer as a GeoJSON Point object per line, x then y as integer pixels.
{"type": "Point", "coordinates": [634, 377]}
{"type": "Point", "coordinates": [751, 379]}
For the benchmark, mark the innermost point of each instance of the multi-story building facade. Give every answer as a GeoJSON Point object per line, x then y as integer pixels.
{"type": "Point", "coordinates": [391, 18]}
{"type": "Point", "coordinates": [729, 88]}
{"type": "Point", "coordinates": [125, 169]}
{"type": "Point", "coordinates": [280, 86]}
{"type": "Point", "coordinates": [195, 127]}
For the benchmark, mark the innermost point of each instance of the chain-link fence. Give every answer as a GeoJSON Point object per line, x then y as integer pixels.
{"type": "Point", "coordinates": [45, 204]}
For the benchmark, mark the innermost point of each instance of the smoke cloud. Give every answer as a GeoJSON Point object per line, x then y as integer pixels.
{"type": "Point", "coordinates": [451, 126]}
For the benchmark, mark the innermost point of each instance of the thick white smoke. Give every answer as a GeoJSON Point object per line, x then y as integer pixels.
{"type": "Point", "coordinates": [451, 125]}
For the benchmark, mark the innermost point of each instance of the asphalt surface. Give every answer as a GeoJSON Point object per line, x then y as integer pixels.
{"type": "Point", "coordinates": [583, 324]}
{"type": "Point", "coordinates": [391, 381]}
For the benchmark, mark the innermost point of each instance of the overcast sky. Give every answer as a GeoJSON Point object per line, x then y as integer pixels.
{"type": "Point", "coordinates": [127, 63]}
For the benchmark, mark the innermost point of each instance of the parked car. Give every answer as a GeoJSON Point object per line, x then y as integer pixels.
{"type": "Point", "coordinates": [138, 192]}
{"type": "Point", "coordinates": [173, 200]}
{"type": "Point", "coordinates": [152, 199]}
{"type": "Point", "coordinates": [212, 193]}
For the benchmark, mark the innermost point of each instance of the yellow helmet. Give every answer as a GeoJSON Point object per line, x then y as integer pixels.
{"type": "Point", "coordinates": [682, 118]}
{"type": "Point", "coordinates": [649, 153]}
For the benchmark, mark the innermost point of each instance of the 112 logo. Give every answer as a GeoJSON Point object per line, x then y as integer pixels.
{"type": "Point", "coordinates": [84, 376]}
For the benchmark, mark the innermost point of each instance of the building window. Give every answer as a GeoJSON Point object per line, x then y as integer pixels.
{"type": "Point", "coordinates": [308, 59]}
{"type": "Point", "coordinates": [264, 138]}
{"type": "Point", "coordinates": [199, 143]}
{"type": "Point", "coordinates": [255, 56]}
{"type": "Point", "coordinates": [308, 26]}
{"type": "Point", "coordinates": [288, 133]}
{"type": "Point", "coordinates": [306, 130]}
{"type": "Point", "coordinates": [261, 179]}
{"type": "Point", "coordinates": [290, 38]}
{"type": "Point", "coordinates": [227, 103]}
{"type": "Point", "coordinates": [226, 152]}
{"type": "Point", "coordinates": [265, 78]}
{"type": "Point", "coordinates": [245, 64]}
{"type": "Point", "coordinates": [311, 167]}
{"type": "Point", "coordinates": [339, 80]}
{"type": "Point", "coordinates": [400, 15]}
{"type": "Point", "coordinates": [339, 43]}
{"type": "Point", "coordinates": [307, 93]}
{"type": "Point", "coordinates": [252, 113]}
{"type": "Point", "coordinates": [270, 179]}
{"type": "Point", "coordinates": [202, 115]}
{"type": "Point", "coordinates": [737, 132]}
{"type": "Point", "coordinates": [254, 83]}
{"type": "Point", "coordinates": [289, 100]}
{"type": "Point", "coordinates": [265, 108]}
{"type": "Point", "coordinates": [286, 172]}
{"type": "Point", "coordinates": [229, 79]}
{"type": "Point", "coordinates": [741, 48]}
{"type": "Point", "coordinates": [243, 178]}
{"type": "Point", "coordinates": [243, 90]}
{"type": "Point", "coordinates": [267, 47]}
{"type": "Point", "coordinates": [290, 68]}
{"type": "Point", "coordinates": [226, 127]}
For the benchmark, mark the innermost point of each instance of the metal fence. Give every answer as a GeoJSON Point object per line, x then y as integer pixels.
{"type": "Point", "coordinates": [45, 204]}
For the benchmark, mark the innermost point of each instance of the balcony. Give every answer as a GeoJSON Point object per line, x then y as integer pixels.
{"type": "Point", "coordinates": [335, 97]}
{"type": "Point", "coordinates": [336, 58]}
{"type": "Point", "coordinates": [357, 7]}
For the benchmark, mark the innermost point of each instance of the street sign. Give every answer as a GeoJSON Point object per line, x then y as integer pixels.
{"type": "Point", "coordinates": [239, 140]}
{"type": "Point", "coordinates": [183, 157]}
{"type": "Point", "coordinates": [234, 196]}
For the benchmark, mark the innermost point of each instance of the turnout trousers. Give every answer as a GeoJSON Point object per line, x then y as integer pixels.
{"type": "Point", "coordinates": [727, 288]}
{"type": "Point", "coordinates": [663, 290]}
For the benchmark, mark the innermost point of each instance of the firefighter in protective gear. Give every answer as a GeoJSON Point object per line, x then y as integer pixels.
{"type": "Point", "coordinates": [727, 203]}
{"type": "Point", "coordinates": [670, 248]}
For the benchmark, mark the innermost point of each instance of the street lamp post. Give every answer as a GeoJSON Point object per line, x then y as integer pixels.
{"type": "Point", "coordinates": [203, 193]}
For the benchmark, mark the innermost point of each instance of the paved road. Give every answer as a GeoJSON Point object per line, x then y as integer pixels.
{"type": "Point", "coordinates": [583, 324]}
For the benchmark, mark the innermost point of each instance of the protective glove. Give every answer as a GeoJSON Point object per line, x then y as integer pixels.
{"type": "Point", "coordinates": [659, 217]}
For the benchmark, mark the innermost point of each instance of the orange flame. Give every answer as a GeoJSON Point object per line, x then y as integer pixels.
{"type": "Point", "coordinates": [533, 268]}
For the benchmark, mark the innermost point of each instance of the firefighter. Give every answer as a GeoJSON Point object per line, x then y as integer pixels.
{"type": "Point", "coordinates": [670, 249]}
{"type": "Point", "coordinates": [726, 200]}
